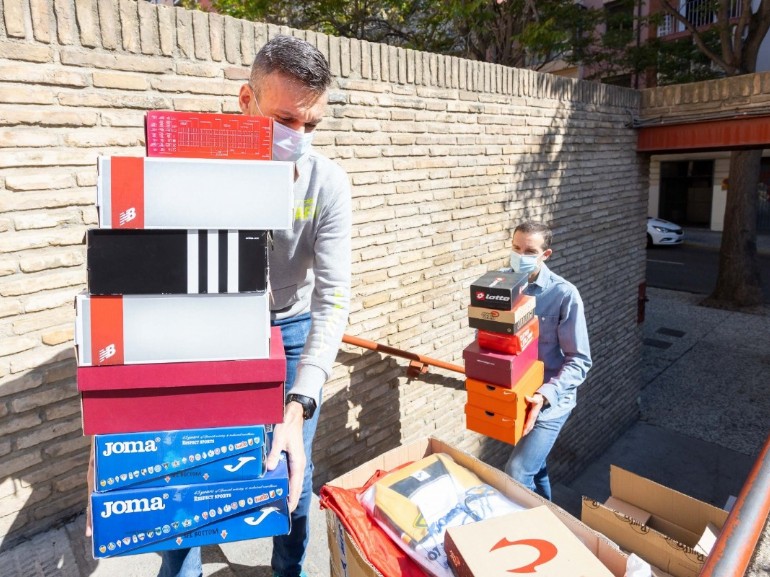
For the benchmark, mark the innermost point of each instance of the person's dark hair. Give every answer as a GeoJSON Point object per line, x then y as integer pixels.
{"type": "Point", "coordinates": [534, 227]}
{"type": "Point", "coordinates": [294, 58]}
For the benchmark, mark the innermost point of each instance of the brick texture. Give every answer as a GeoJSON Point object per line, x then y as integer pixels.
{"type": "Point", "coordinates": [445, 156]}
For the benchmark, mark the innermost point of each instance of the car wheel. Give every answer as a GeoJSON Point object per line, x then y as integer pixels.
{"type": "Point", "coordinates": [649, 240]}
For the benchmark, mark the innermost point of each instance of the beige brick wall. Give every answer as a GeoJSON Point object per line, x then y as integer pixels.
{"type": "Point", "coordinates": [445, 156]}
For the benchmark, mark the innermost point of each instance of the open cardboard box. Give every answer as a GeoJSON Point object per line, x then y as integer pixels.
{"type": "Point", "coordinates": [669, 536]}
{"type": "Point", "coordinates": [347, 560]}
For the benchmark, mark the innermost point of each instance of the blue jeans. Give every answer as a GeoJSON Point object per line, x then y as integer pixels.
{"type": "Point", "coordinates": [527, 461]}
{"type": "Point", "coordinates": [288, 550]}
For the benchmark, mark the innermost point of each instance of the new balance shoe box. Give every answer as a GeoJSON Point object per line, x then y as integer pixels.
{"type": "Point", "coordinates": [498, 368]}
{"type": "Point", "coordinates": [348, 560]}
{"type": "Point", "coordinates": [199, 135]}
{"type": "Point", "coordinates": [144, 262]}
{"type": "Point", "coordinates": [532, 541]}
{"type": "Point", "coordinates": [140, 329]}
{"type": "Point", "coordinates": [510, 344]}
{"type": "Point", "coordinates": [185, 193]}
{"type": "Point", "coordinates": [498, 290]}
{"type": "Point", "coordinates": [498, 412]}
{"type": "Point", "coordinates": [138, 520]}
{"type": "Point", "coordinates": [184, 457]}
{"type": "Point", "coordinates": [197, 395]}
{"type": "Point", "coordinates": [505, 322]}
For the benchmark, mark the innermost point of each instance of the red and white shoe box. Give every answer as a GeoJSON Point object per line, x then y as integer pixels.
{"type": "Point", "coordinates": [169, 396]}
{"type": "Point", "coordinates": [188, 193]}
{"type": "Point", "coordinates": [140, 329]}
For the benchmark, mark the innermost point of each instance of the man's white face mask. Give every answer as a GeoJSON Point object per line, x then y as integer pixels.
{"type": "Point", "coordinates": [288, 144]}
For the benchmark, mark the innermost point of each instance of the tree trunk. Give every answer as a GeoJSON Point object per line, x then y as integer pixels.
{"type": "Point", "coordinates": [738, 282]}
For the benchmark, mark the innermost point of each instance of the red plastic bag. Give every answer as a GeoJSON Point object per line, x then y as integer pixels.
{"type": "Point", "coordinates": [387, 557]}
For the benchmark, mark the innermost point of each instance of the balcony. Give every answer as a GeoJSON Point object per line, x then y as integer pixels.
{"type": "Point", "coordinates": [699, 13]}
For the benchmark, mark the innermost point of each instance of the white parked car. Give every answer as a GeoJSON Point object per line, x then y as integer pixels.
{"type": "Point", "coordinates": [663, 232]}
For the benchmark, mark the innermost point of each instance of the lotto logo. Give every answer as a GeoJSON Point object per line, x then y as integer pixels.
{"type": "Point", "coordinates": [107, 352]}
{"type": "Point", "coordinates": [127, 216]}
{"type": "Point", "coordinates": [481, 295]}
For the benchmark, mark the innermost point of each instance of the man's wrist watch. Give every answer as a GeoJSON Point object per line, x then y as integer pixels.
{"type": "Point", "coordinates": [308, 404]}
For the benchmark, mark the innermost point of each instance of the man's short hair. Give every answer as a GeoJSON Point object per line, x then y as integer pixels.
{"type": "Point", "coordinates": [535, 227]}
{"type": "Point", "coordinates": [295, 58]}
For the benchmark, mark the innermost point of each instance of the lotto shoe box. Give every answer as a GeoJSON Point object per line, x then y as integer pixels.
{"type": "Point", "coordinates": [347, 560]}
{"type": "Point", "coordinates": [501, 413]}
{"type": "Point", "coordinates": [498, 290]}
{"type": "Point", "coordinates": [161, 458]}
{"type": "Point", "coordinates": [497, 368]}
{"type": "Point", "coordinates": [510, 344]}
{"type": "Point", "coordinates": [183, 193]}
{"type": "Point", "coordinates": [130, 262]}
{"type": "Point", "coordinates": [505, 322]}
{"type": "Point", "coordinates": [199, 135]}
{"type": "Point", "coordinates": [533, 541]}
{"type": "Point", "coordinates": [168, 396]}
{"type": "Point", "coordinates": [137, 520]}
{"type": "Point", "coordinates": [116, 330]}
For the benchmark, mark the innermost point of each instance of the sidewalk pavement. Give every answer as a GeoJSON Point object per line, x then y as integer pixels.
{"type": "Point", "coordinates": [704, 415]}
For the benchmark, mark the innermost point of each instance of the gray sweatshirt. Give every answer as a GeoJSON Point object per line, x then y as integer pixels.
{"type": "Point", "coordinates": [310, 267]}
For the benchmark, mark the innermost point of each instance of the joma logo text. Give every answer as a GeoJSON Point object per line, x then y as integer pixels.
{"type": "Point", "coordinates": [122, 447]}
{"type": "Point", "coordinates": [132, 506]}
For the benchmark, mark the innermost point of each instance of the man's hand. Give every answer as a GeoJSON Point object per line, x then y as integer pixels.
{"type": "Point", "coordinates": [287, 436]}
{"type": "Point", "coordinates": [90, 483]}
{"type": "Point", "coordinates": [535, 405]}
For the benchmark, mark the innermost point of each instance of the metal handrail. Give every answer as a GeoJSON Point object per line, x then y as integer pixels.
{"type": "Point", "coordinates": [419, 363]}
{"type": "Point", "coordinates": [738, 539]}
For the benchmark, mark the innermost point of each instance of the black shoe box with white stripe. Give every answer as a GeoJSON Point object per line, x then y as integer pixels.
{"type": "Point", "coordinates": [143, 262]}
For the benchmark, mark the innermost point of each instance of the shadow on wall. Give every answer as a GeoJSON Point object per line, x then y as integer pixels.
{"type": "Point", "coordinates": [44, 467]}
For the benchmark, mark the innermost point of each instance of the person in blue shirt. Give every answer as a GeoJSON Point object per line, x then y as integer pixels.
{"type": "Point", "coordinates": [562, 346]}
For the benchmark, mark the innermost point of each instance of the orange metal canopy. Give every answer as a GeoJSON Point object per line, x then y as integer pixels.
{"type": "Point", "coordinates": [732, 133]}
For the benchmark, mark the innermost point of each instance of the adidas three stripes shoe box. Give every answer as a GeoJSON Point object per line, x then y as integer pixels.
{"type": "Point", "coordinates": [170, 396]}
{"type": "Point", "coordinates": [188, 193]}
{"type": "Point", "coordinates": [115, 330]}
{"type": "Point", "coordinates": [139, 520]}
{"type": "Point", "coordinates": [176, 261]}
{"type": "Point", "coordinates": [182, 457]}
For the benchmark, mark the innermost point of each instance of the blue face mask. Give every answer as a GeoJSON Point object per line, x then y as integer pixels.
{"type": "Point", "coordinates": [523, 262]}
{"type": "Point", "coordinates": [289, 145]}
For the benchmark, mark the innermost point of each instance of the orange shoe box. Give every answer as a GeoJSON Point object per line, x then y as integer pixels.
{"type": "Point", "coordinates": [500, 412]}
{"type": "Point", "coordinates": [510, 344]}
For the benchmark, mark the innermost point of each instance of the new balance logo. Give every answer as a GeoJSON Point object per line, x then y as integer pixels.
{"type": "Point", "coordinates": [106, 353]}
{"type": "Point", "coordinates": [127, 216]}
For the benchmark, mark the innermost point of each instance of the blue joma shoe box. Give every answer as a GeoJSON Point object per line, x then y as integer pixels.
{"type": "Point", "coordinates": [137, 520]}
{"type": "Point", "coordinates": [182, 457]}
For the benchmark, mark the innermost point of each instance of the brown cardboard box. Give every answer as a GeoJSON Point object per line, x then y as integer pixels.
{"type": "Point", "coordinates": [668, 539]}
{"type": "Point", "coordinates": [348, 561]}
{"type": "Point", "coordinates": [531, 541]}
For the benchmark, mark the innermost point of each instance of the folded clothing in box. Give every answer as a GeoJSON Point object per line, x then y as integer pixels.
{"type": "Point", "coordinates": [497, 368]}
{"type": "Point", "coordinates": [160, 458]}
{"type": "Point", "coordinates": [117, 330]}
{"type": "Point", "coordinates": [167, 396]}
{"type": "Point", "coordinates": [532, 541]}
{"type": "Point", "coordinates": [498, 290]}
{"type": "Point", "coordinates": [137, 520]}
{"type": "Point", "coordinates": [417, 503]}
{"type": "Point", "coordinates": [201, 135]}
{"type": "Point", "coordinates": [195, 193]}
{"type": "Point", "coordinates": [128, 262]}
{"type": "Point", "coordinates": [510, 344]}
{"type": "Point", "coordinates": [506, 322]}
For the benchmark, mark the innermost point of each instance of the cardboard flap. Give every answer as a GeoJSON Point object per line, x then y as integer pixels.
{"type": "Point", "coordinates": [664, 502]}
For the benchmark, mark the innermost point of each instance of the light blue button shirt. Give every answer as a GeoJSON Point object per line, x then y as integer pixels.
{"type": "Point", "coordinates": [563, 343]}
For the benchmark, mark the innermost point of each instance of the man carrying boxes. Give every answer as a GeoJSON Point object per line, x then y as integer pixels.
{"type": "Point", "coordinates": [508, 343]}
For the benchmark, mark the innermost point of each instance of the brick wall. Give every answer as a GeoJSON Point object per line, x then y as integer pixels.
{"type": "Point", "coordinates": [445, 156]}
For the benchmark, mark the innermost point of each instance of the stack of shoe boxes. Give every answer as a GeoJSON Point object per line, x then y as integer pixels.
{"type": "Point", "coordinates": [501, 365]}
{"type": "Point", "coordinates": [180, 374]}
